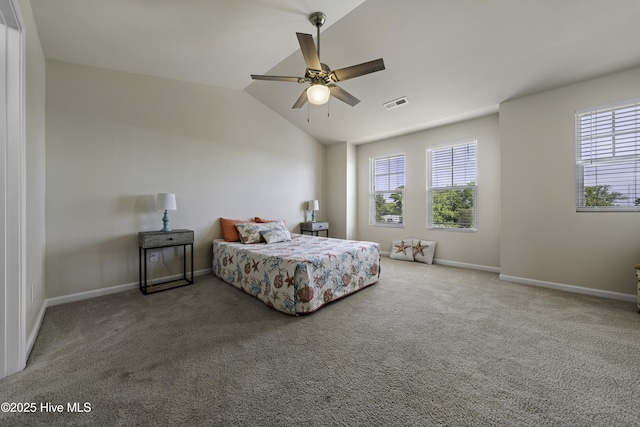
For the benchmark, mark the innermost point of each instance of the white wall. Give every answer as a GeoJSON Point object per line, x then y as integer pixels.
{"type": "Point", "coordinates": [543, 238]}
{"type": "Point", "coordinates": [115, 139]}
{"type": "Point", "coordinates": [480, 248]}
{"type": "Point", "coordinates": [35, 169]}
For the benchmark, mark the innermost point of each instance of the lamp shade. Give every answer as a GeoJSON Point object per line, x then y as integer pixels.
{"type": "Point", "coordinates": [318, 94]}
{"type": "Point", "coordinates": [313, 205]}
{"type": "Point", "coordinates": [166, 201]}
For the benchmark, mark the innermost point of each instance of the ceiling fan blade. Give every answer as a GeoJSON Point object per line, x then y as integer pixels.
{"type": "Point", "coordinates": [309, 51]}
{"type": "Point", "coordinates": [279, 78]}
{"type": "Point", "coordinates": [343, 95]}
{"type": "Point", "coordinates": [357, 70]}
{"type": "Point", "coordinates": [302, 100]}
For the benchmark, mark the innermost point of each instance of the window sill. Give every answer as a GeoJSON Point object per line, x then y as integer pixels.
{"type": "Point", "coordinates": [608, 209]}
{"type": "Point", "coordinates": [389, 225]}
{"type": "Point", "coordinates": [455, 230]}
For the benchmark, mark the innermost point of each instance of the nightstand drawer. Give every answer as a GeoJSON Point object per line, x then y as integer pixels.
{"type": "Point", "coordinates": [314, 227]}
{"type": "Point", "coordinates": [157, 239]}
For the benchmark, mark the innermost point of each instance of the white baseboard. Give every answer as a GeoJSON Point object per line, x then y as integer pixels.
{"type": "Point", "coordinates": [36, 329]}
{"type": "Point", "coordinates": [90, 294]}
{"type": "Point", "coordinates": [114, 289]}
{"type": "Point", "coordinates": [570, 288]}
{"type": "Point", "coordinates": [458, 264]}
{"type": "Point", "coordinates": [540, 283]}
{"type": "Point", "coordinates": [50, 302]}
{"type": "Point", "coordinates": [467, 265]}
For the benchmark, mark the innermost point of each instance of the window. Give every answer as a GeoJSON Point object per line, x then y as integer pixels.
{"type": "Point", "coordinates": [451, 187]}
{"type": "Point", "coordinates": [608, 157]}
{"type": "Point", "coordinates": [387, 191]}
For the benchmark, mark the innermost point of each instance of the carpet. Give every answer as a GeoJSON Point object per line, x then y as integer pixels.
{"type": "Point", "coordinates": [428, 345]}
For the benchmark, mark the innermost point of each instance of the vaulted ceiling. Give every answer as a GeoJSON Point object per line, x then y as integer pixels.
{"type": "Point", "coordinates": [451, 59]}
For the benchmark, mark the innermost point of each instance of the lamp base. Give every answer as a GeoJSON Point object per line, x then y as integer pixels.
{"type": "Point", "coordinates": [165, 222]}
{"type": "Point", "coordinates": [313, 216]}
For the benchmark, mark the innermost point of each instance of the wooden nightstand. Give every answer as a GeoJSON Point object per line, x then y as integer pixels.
{"type": "Point", "coordinates": [162, 239]}
{"type": "Point", "coordinates": [314, 227]}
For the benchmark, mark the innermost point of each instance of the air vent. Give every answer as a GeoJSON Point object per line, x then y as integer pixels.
{"type": "Point", "coordinates": [395, 103]}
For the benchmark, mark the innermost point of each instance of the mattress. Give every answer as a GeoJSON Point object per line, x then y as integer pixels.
{"type": "Point", "coordinates": [301, 275]}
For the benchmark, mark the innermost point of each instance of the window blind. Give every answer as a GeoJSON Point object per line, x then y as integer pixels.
{"type": "Point", "coordinates": [451, 187]}
{"type": "Point", "coordinates": [608, 157]}
{"type": "Point", "coordinates": [387, 191]}
{"type": "Point", "coordinates": [388, 173]}
{"type": "Point", "coordinates": [454, 165]}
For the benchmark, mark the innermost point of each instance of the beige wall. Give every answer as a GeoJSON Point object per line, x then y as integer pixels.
{"type": "Point", "coordinates": [35, 169]}
{"type": "Point", "coordinates": [336, 176]}
{"type": "Point", "coordinates": [114, 140]}
{"type": "Point", "coordinates": [341, 190]}
{"type": "Point", "coordinates": [480, 248]}
{"type": "Point", "coordinates": [543, 238]}
{"type": "Point", "coordinates": [351, 184]}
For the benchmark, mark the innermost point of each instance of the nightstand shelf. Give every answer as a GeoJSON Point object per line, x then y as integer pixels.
{"type": "Point", "coordinates": [314, 227]}
{"type": "Point", "coordinates": [163, 239]}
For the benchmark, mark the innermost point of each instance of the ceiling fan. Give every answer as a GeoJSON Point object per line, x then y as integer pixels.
{"type": "Point", "coordinates": [319, 75]}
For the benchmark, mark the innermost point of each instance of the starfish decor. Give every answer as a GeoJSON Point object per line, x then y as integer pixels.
{"type": "Point", "coordinates": [420, 248]}
{"type": "Point", "coordinates": [402, 247]}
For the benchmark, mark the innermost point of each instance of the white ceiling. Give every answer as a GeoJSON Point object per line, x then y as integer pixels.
{"type": "Point", "coordinates": [452, 59]}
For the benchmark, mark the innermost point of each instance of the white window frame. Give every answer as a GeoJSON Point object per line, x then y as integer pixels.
{"type": "Point", "coordinates": [373, 192]}
{"type": "Point", "coordinates": [591, 139]}
{"type": "Point", "coordinates": [431, 188]}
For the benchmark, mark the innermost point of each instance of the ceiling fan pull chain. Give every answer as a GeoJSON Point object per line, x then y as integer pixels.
{"type": "Point", "coordinates": [328, 109]}
{"type": "Point", "coordinates": [307, 112]}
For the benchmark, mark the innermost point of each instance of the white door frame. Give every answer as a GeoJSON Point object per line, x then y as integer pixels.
{"type": "Point", "coordinates": [12, 190]}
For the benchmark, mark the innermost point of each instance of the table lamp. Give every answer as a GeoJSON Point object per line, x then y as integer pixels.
{"type": "Point", "coordinates": [166, 201]}
{"type": "Point", "coordinates": [313, 207]}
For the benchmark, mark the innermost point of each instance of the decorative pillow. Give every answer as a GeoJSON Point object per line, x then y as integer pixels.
{"type": "Point", "coordinates": [250, 232]}
{"type": "Point", "coordinates": [423, 250]}
{"type": "Point", "coordinates": [262, 220]}
{"type": "Point", "coordinates": [402, 249]}
{"type": "Point", "coordinates": [277, 232]}
{"type": "Point", "coordinates": [229, 231]}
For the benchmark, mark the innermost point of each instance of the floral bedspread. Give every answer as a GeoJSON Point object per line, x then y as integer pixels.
{"type": "Point", "coordinates": [301, 275]}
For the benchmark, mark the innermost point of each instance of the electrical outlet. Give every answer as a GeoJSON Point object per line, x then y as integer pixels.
{"type": "Point", "coordinates": [153, 257]}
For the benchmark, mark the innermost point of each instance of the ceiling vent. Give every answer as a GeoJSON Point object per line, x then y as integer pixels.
{"type": "Point", "coordinates": [395, 103]}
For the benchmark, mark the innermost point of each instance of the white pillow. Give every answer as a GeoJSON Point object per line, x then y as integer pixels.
{"type": "Point", "coordinates": [250, 232]}
{"type": "Point", "coordinates": [277, 232]}
{"type": "Point", "coordinates": [402, 249]}
{"type": "Point", "coordinates": [423, 250]}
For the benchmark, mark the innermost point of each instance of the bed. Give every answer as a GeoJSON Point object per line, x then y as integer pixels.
{"type": "Point", "coordinates": [301, 275]}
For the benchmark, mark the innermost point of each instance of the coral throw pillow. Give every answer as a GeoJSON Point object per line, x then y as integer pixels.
{"type": "Point", "coordinates": [229, 231]}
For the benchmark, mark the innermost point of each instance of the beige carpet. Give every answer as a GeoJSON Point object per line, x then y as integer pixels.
{"type": "Point", "coordinates": [426, 345]}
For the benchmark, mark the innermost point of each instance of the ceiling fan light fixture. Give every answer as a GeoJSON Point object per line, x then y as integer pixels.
{"type": "Point", "coordinates": [318, 94]}
{"type": "Point", "coordinates": [320, 76]}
